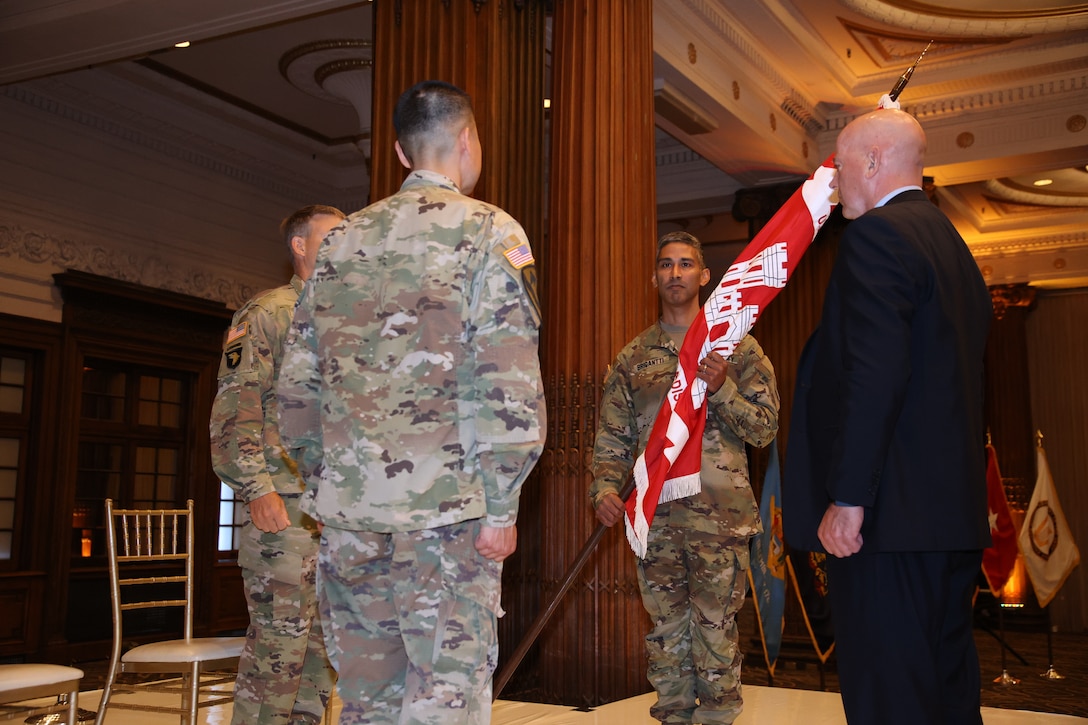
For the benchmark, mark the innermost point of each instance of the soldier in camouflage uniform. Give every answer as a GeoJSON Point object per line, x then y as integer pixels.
{"type": "Point", "coordinates": [284, 675]}
{"type": "Point", "coordinates": [693, 578]}
{"type": "Point", "coordinates": [410, 394]}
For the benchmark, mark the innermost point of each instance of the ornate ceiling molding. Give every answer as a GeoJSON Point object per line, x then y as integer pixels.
{"type": "Point", "coordinates": [1006, 190]}
{"type": "Point", "coordinates": [337, 70]}
{"type": "Point", "coordinates": [900, 49]}
{"type": "Point", "coordinates": [942, 20]}
{"type": "Point", "coordinates": [308, 66]}
{"type": "Point", "coordinates": [790, 99]}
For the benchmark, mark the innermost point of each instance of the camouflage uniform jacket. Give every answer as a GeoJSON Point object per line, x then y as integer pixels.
{"type": "Point", "coordinates": [410, 391]}
{"type": "Point", "coordinates": [245, 438]}
{"type": "Point", "coordinates": [743, 410]}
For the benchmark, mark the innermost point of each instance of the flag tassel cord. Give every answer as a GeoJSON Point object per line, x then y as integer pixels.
{"type": "Point", "coordinates": [822, 655]}
{"type": "Point", "coordinates": [762, 632]}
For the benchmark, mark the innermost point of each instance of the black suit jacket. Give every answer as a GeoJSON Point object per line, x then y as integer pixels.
{"type": "Point", "coordinates": [888, 410]}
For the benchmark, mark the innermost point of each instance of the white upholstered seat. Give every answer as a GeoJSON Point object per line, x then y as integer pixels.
{"type": "Point", "coordinates": [25, 682]}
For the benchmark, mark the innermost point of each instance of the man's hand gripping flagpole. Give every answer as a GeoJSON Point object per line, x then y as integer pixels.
{"type": "Point", "coordinates": [669, 467]}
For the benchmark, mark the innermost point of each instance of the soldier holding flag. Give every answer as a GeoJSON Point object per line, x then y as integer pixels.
{"type": "Point", "coordinates": [693, 575]}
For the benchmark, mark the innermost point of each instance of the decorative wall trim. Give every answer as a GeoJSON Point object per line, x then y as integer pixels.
{"type": "Point", "coordinates": [1047, 243]}
{"type": "Point", "coordinates": [149, 270]}
{"type": "Point", "coordinates": [1032, 94]}
{"type": "Point", "coordinates": [1004, 296]}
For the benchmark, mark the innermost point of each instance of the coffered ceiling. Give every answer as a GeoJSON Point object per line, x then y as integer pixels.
{"type": "Point", "coordinates": [748, 92]}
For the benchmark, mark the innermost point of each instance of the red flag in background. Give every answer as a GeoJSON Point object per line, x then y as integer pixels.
{"type": "Point", "coordinates": [998, 560]}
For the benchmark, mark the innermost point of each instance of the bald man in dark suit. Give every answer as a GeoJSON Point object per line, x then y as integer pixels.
{"type": "Point", "coordinates": [885, 469]}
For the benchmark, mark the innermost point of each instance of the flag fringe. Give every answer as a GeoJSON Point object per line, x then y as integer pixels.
{"type": "Point", "coordinates": [681, 487]}
{"type": "Point", "coordinates": [637, 534]}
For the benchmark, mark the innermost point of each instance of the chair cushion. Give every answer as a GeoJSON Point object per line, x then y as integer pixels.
{"type": "Point", "coordinates": [182, 650]}
{"type": "Point", "coordinates": [16, 677]}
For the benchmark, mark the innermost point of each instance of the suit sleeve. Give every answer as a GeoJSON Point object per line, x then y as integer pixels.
{"type": "Point", "coordinates": [877, 277]}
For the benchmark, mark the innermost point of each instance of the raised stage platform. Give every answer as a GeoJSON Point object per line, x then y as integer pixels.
{"type": "Point", "coordinates": [762, 706]}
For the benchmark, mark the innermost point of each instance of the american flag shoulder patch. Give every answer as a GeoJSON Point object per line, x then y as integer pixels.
{"type": "Point", "coordinates": [519, 256]}
{"type": "Point", "coordinates": [238, 331]}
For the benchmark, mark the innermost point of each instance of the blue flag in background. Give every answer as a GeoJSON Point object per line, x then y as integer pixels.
{"type": "Point", "coordinates": [768, 562]}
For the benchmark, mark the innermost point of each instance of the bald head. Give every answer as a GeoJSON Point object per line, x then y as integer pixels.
{"type": "Point", "coordinates": [876, 154]}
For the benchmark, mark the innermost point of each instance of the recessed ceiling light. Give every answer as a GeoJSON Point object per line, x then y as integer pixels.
{"type": "Point", "coordinates": [182, 44]}
{"type": "Point", "coordinates": [1044, 182]}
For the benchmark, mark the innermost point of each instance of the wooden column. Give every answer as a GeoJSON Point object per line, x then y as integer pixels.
{"type": "Point", "coordinates": [595, 271]}
{"type": "Point", "coordinates": [494, 50]}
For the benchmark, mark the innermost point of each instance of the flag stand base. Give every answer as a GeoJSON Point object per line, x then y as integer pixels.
{"type": "Point", "coordinates": [1052, 674]}
{"type": "Point", "coordinates": [1005, 679]}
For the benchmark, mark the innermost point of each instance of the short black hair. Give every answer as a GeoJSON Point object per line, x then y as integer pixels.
{"type": "Point", "coordinates": [682, 238]}
{"type": "Point", "coordinates": [427, 113]}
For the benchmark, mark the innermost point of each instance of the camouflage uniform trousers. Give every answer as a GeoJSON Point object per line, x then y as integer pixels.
{"type": "Point", "coordinates": [284, 675]}
{"type": "Point", "coordinates": [410, 624]}
{"type": "Point", "coordinates": [693, 584]}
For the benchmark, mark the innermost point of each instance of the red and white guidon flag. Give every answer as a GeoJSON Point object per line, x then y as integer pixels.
{"type": "Point", "coordinates": [669, 467]}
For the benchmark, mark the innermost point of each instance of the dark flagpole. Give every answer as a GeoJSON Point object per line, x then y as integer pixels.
{"type": "Point", "coordinates": [575, 569]}
{"type": "Point", "coordinates": [1004, 678]}
{"type": "Point", "coordinates": [1051, 673]}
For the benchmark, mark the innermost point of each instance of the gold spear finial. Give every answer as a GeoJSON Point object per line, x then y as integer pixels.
{"type": "Point", "coordinates": [905, 78]}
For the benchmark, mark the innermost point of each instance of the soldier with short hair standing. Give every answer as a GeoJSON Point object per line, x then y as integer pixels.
{"type": "Point", "coordinates": [692, 578]}
{"type": "Point", "coordinates": [283, 675]}
{"type": "Point", "coordinates": [411, 396]}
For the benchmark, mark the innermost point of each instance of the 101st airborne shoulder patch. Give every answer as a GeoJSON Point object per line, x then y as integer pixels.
{"type": "Point", "coordinates": [233, 354]}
